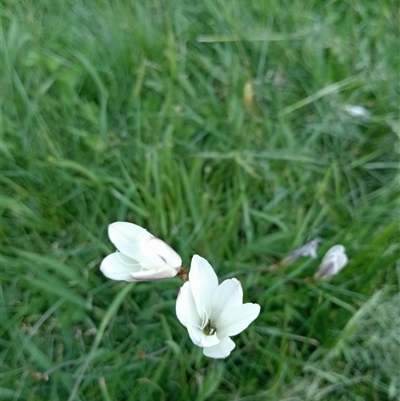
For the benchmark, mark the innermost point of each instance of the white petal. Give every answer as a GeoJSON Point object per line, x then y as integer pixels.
{"type": "Point", "coordinates": [186, 308]}
{"type": "Point", "coordinates": [334, 251]}
{"type": "Point", "coordinates": [150, 275]}
{"type": "Point", "coordinates": [342, 262]}
{"type": "Point", "coordinates": [160, 253]}
{"type": "Point", "coordinates": [199, 338]}
{"type": "Point", "coordinates": [118, 266]}
{"type": "Point", "coordinates": [203, 283]}
{"type": "Point", "coordinates": [228, 295]}
{"type": "Point", "coordinates": [326, 269]}
{"type": "Point", "coordinates": [356, 110]}
{"type": "Point", "coordinates": [234, 321]}
{"type": "Point", "coordinates": [221, 350]}
{"type": "Point", "coordinates": [128, 238]}
{"type": "Point", "coordinates": [309, 249]}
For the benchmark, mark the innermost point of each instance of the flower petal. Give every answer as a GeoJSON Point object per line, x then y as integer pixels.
{"type": "Point", "coordinates": [326, 269]}
{"type": "Point", "coordinates": [128, 238]}
{"type": "Point", "coordinates": [186, 307]}
{"type": "Point", "coordinates": [309, 249]}
{"type": "Point", "coordinates": [153, 274]}
{"type": "Point", "coordinates": [221, 350]}
{"type": "Point", "coordinates": [356, 110]}
{"type": "Point", "coordinates": [118, 266]}
{"type": "Point", "coordinates": [234, 321]}
{"type": "Point", "coordinates": [203, 283]}
{"type": "Point", "coordinates": [199, 338]}
{"type": "Point", "coordinates": [334, 251]}
{"type": "Point", "coordinates": [158, 254]}
{"type": "Point", "coordinates": [228, 295]}
{"type": "Point", "coordinates": [342, 262]}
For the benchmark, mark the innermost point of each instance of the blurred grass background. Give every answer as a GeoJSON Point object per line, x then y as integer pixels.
{"type": "Point", "coordinates": [220, 126]}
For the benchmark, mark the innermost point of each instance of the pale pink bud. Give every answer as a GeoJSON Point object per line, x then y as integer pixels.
{"type": "Point", "coordinates": [334, 261]}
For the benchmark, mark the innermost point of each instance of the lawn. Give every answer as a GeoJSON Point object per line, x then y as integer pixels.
{"type": "Point", "coordinates": [227, 129]}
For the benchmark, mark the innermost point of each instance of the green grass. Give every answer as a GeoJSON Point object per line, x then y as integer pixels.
{"type": "Point", "coordinates": [124, 110]}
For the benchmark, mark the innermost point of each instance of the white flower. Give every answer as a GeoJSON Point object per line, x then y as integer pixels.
{"type": "Point", "coordinates": [140, 256]}
{"type": "Point", "coordinates": [356, 111]}
{"type": "Point", "coordinates": [334, 261]}
{"type": "Point", "coordinates": [211, 312]}
{"type": "Point", "coordinates": [309, 249]}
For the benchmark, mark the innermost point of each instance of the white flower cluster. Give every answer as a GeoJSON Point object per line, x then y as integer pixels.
{"type": "Point", "coordinates": [211, 312]}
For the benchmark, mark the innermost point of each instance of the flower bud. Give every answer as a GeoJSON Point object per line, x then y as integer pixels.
{"type": "Point", "coordinates": [334, 261]}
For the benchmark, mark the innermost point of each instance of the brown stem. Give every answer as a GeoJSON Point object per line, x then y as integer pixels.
{"type": "Point", "coordinates": [183, 274]}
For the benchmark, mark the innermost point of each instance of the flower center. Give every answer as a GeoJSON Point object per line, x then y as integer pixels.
{"type": "Point", "coordinates": [210, 328]}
